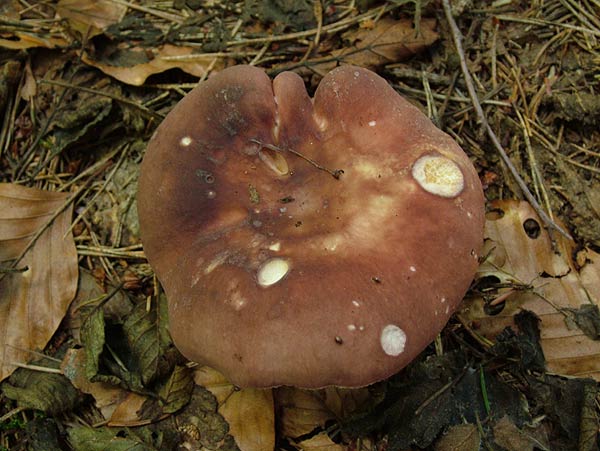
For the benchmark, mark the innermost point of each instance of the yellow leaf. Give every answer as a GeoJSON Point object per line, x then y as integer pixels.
{"type": "Point", "coordinates": [33, 301]}
{"type": "Point", "coordinates": [249, 412]}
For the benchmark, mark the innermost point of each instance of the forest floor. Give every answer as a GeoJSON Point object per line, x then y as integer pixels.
{"type": "Point", "coordinates": [86, 362]}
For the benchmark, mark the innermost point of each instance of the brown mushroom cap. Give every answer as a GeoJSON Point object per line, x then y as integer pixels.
{"type": "Point", "coordinates": [277, 273]}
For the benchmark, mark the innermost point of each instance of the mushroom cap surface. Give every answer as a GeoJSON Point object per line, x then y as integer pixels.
{"type": "Point", "coordinates": [276, 272]}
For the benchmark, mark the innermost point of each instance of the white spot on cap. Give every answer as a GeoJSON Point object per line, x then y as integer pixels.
{"type": "Point", "coordinates": [438, 175]}
{"type": "Point", "coordinates": [393, 340]}
{"type": "Point", "coordinates": [185, 141]}
{"type": "Point", "coordinates": [275, 247]}
{"type": "Point", "coordinates": [372, 123]}
{"type": "Point", "coordinates": [211, 194]}
{"type": "Point", "coordinates": [272, 271]}
{"type": "Point", "coordinates": [413, 269]}
{"type": "Point", "coordinates": [356, 303]}
{"type": "Point", "coordinates": [351, 327]}
{"type": "Point", "coordinates": [215, 263]}
{"type": "Point", "coordinates": [274, 160]}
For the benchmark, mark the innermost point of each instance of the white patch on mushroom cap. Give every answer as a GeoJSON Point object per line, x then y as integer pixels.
{"type": "Point", "coordinates": [274, 160]}
{"type": "Point", "coordinates": [275, 247]}
{"type": "Point", "coordinates": [393, 340]}
{"type": "Point", "coordinates": [272, 271]}
{"type": "Point", "coordinates": [185, 141]}
{"type": "Point", "coordinates": [438, 175]}
{"type": "Point", "coordinates": [372, 123]}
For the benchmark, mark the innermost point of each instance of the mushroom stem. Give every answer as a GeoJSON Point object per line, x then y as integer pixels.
{"type": "Point", "coordinates": [335, 173]}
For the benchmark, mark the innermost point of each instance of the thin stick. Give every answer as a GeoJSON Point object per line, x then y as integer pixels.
{"type": "Point", "coordinates": [456, 35]}
{"type": "Point", "coordinates": [336, 173]}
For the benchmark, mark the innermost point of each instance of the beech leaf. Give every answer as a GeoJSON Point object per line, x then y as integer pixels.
{"type": "Point", "coordinates": [526, 269]}
{"type": "Point", "coordinates": [35, 298]}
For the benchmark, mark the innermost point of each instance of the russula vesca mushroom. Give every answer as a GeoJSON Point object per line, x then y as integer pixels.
{"type": "Point", "coordinates": [280, 269]}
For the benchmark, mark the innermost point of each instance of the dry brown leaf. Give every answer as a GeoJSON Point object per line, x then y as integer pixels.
{"type": "Point", "coordinates": [215, 382]}
{"type": "Point", "coordinates": [463, 437]}
{"type": "Point", "coordinates": [320, 442]}
{"type": "Point", "coordinates": [90, 16]}
{"type": "Point", "coordinates": [549, 282]}
{"type": "Point", "coordinates": [33, 302]}
{"type": "Point", "coordinates": [22, 41]}
{"type": "Point", "coordinates": [344, 401]}
{"type": "Point", "coordinates": [107, 396]}
{"type": "Point", "coordinates": [511, 438]}
{"type": "Point", "coordinates": [386, 41]}
{"type": "Point", "coordinates": [300, 411]}
{"type": "Point", "coordinates": [251, 418]}
{"type": "Point", "coordinates": [128, 412]}
{"type": "Point", "coordinates": [163, 58]}
{"type": "Point", "coordinates": [249, 412]}
{"type": "Point", "coordinates": [389, 41]}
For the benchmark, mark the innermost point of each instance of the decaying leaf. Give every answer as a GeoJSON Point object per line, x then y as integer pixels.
{"type": "Point", "coordinates": [84, 438]}
{"type": "Point", "coordinates": [176, 392]}
{"type": "Point", "coordinates": [462, 437]}
{"type": "Point", "coordinates": [33, 300]}
{"type": "Point", "coordinates": [155, 61]}
{"type": "Point", "coordinates": [49, 392]}
{"type": "Point", "coordinates": [147, 337]}
{"type": "Point", "coordinates": [92, 338]}
{"type": "Point", "coordinates": [249, 412]}
{"type": "Point", "coordinates": [525, 271]}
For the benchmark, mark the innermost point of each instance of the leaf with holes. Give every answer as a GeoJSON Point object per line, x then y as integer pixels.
{"type": "Point", "coordinates": [526, 270]}
{"type": "Point", "coordinates": [35, 297]}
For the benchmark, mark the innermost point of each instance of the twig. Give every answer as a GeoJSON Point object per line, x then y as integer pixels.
{"type": "Point", "coordinates": [335, 173]}
{"type": "Point", "coordinates": [456, 35]}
